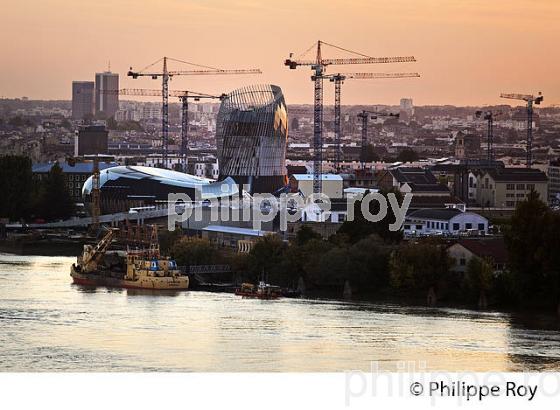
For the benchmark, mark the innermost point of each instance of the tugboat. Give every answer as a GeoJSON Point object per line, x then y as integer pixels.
{"type": "Point", "coordinates": [262, 291]}
{"type": "Point", "coordinates": [137, 269]}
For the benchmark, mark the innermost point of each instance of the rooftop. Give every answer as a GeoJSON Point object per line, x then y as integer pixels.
{"type": "Point", "coordinates": [436, 214]}
{"type": "Point", "coordinates": [324, 177]}
{"type": "Point", "coordinates": [494, 248]}
{"type": "Point", "coordinates": [235, 230]}
{"type": "Point", "coordinates": [413, 175]}
{"type": "Point", "coordinates": [517, 174]}
{"type": "Point", "coordinates": [79, 168]}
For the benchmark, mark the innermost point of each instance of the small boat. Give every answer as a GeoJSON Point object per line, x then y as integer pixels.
{"type": "Point", "coordinates": [261, 291]}
{"type": "Point", "coordinates": [137, 269]}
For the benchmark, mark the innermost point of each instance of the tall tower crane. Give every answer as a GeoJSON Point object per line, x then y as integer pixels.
{"type": "Point", "coordinates": [319, 65]}
{"type": "Point", "coordinates": [530, 100]}
{"type": "Point", "coordinates": [489, 116]}
{"type": "Point", "coordinates": [166, 75]}
{"type": "Point", "coordinates": [365, 116]}
{"type": "Point", "coordinates": [184, 97]}
{"type": "Point", "coordinates": [338, 79]}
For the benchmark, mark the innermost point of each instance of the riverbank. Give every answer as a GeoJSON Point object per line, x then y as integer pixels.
{"type": "Point", "coordinates": [51, 325]}
{"type": "Point", "coordinates": [43, 247]}
{"type": "Point", "coordinates": [384, 296]}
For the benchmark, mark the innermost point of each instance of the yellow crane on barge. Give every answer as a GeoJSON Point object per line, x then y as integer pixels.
{"type": "Point", "coordinates": [142, 268]}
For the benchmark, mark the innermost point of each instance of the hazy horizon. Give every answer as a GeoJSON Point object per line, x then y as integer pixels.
{"type": "Point", "coordinates": [468, 52]}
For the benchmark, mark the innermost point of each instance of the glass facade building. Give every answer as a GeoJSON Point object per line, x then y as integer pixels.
{"type": "Point", "coordinates": [251, 134]}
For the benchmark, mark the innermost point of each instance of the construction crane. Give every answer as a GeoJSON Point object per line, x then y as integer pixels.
{"type": "Point", "coordinates": [365, 116]}
{"type": "Point", "coordinates": [166, 75]}
{"type": "Point", "coordinates": [184, 96]}
{"type": "Point", "coordinates": [489, 117]}
{"type": "Point", "coordinates": [95, 184]}
{"type": "Point", "coordinates": [93, 256]}
{"type": "Point", "coordinates": [319, 65]}
{"type": "Point", "coordinates": [530, 100]}
{"type": "Point", "coordinates": [338, 79]}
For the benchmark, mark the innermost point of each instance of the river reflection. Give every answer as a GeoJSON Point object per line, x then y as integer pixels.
{"type": "Point", "coordinates": [48, 324]}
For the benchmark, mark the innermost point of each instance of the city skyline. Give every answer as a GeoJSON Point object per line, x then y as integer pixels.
{"type": "Point", "coordinates": [467, 52]}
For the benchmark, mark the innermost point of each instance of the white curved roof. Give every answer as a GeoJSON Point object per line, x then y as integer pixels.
{"type": "Point", "coordinates": [210, 188]}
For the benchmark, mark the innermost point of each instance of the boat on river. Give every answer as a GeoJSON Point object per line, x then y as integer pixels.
{"type": "Point", "coordinates": [261, 291]}
{"type": "Point", "coordinates": [133, 269]}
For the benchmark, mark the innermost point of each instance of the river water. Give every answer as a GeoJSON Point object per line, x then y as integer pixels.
{"type": "Point", "coordinates": [48, 324]}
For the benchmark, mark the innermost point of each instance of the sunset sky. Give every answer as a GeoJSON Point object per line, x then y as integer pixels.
{"type": "Point", "coordinates": [468, 51]}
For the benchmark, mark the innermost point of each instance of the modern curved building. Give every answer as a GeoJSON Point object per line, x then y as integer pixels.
{"type": "Point", "coordinates": [251, 135]}
{"type": "Point", "coordinates": [125, 187]}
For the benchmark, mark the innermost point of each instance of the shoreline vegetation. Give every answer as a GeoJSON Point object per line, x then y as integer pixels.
{"type": "Point", "coordinates": [361, 258]}
{"type": "Point", "coordinates": [365, 260]}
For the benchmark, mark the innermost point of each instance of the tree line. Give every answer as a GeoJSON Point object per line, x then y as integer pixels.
{"type": "Point", "coordinates": [27, 198]}
{"type": "Point", "coordinates": [380, 264]}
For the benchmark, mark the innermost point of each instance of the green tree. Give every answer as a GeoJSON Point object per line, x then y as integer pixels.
{"type": "Point", "coordinates": [479, 279]}
{"type": "Point", "coordinates": [533, 242]}
{"type": "Point", "coordinates": [66, 124]}
{"type": "Point", "coordinates": [112, 123]}
{"type": "Point", "coordinates": [168, 238]}
{"type": "Point", "coordinates": [524, 240]}
{"type": "Point", "coordinates": [266, 258]}
{"type": "Point", "coordinates": [54, 200]}
{"type": "Point", "coordinates": [419, 266]}
{"type": "Point", "coordinates": [364, 264]}
{"type": "Point", "coordinates": [189, 251]}
{"type": "Point", "coordinates": [360, 228]}
{"type": "Point", "coordinates": [305, 234]}
{"type": "Point", "coordinates": [18, 121]}
{"type": "Point", "coordinates": [295, 123]}
{"type": "Point", "coordinates": [369, 154]}
{"type": "Point", "coordinates": [407, 155]}
{"type": "Point", "coordinates": [16, 186]}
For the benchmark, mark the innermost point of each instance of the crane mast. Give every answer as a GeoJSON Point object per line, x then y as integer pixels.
{"type": "Point", "coordinates": [318, 122]}
{"type": "Point", "coordinates": [318, 66]}
{"type": "Point", "coordinates": [530, 100]}
{"type": "Point", "coordinates": [165, 113]}
{"type": "Point", "coordinates": [166, 75]}
{"type": "Point", "coordinates": [337, 126]}
{"type": "Point", "coordinates": [338, 80]}
{"type": "Point", "coordinates": [365, 115]}
{"type": "Point", "coordinates": [489, 117]}
{"type": "Point", "coordinates": [184, 96]}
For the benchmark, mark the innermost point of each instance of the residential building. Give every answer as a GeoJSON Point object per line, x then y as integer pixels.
{"type": "Point", "coordinates": [492, 250]}
{"type": "Point", "coordinates": [505, 188]}
{"type": "Point", "coordinates": [331, 184]}
{"type": "Point", "coordinates": [553, 174]}
{"type": "Point", "coordinates": [467, 146]}
{"type": "Point", "coordinates": [106, 94]}
{"type": "Point", "coordinates": [448, 221]}
{"type": "Point", "coordinates": [427, 191]}
{"type": "Point", "coordinates": [82, 99]}
{"type": "Point", "coordinates": [406, 111]}
{"type": "Point", "coordinates": [74, 175]}
{"type": "Point", "coordinates": [91, 140]}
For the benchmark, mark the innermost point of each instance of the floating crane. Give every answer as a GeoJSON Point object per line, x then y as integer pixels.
{"type": "Point", "coordinates": [166, 75]}
{"type": "Point", "coordinates": [319, 65]}
{"type": "Point", "coordinates": [184, 97]}
{"type": "Point", "coordinates": [93, 256]}
{"type": "Point", "coordinates": [365, 116]}
{"type": "Point", "coordinates": [338, 79]}
{"type": "Point", "coordinates": [530, 100]}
